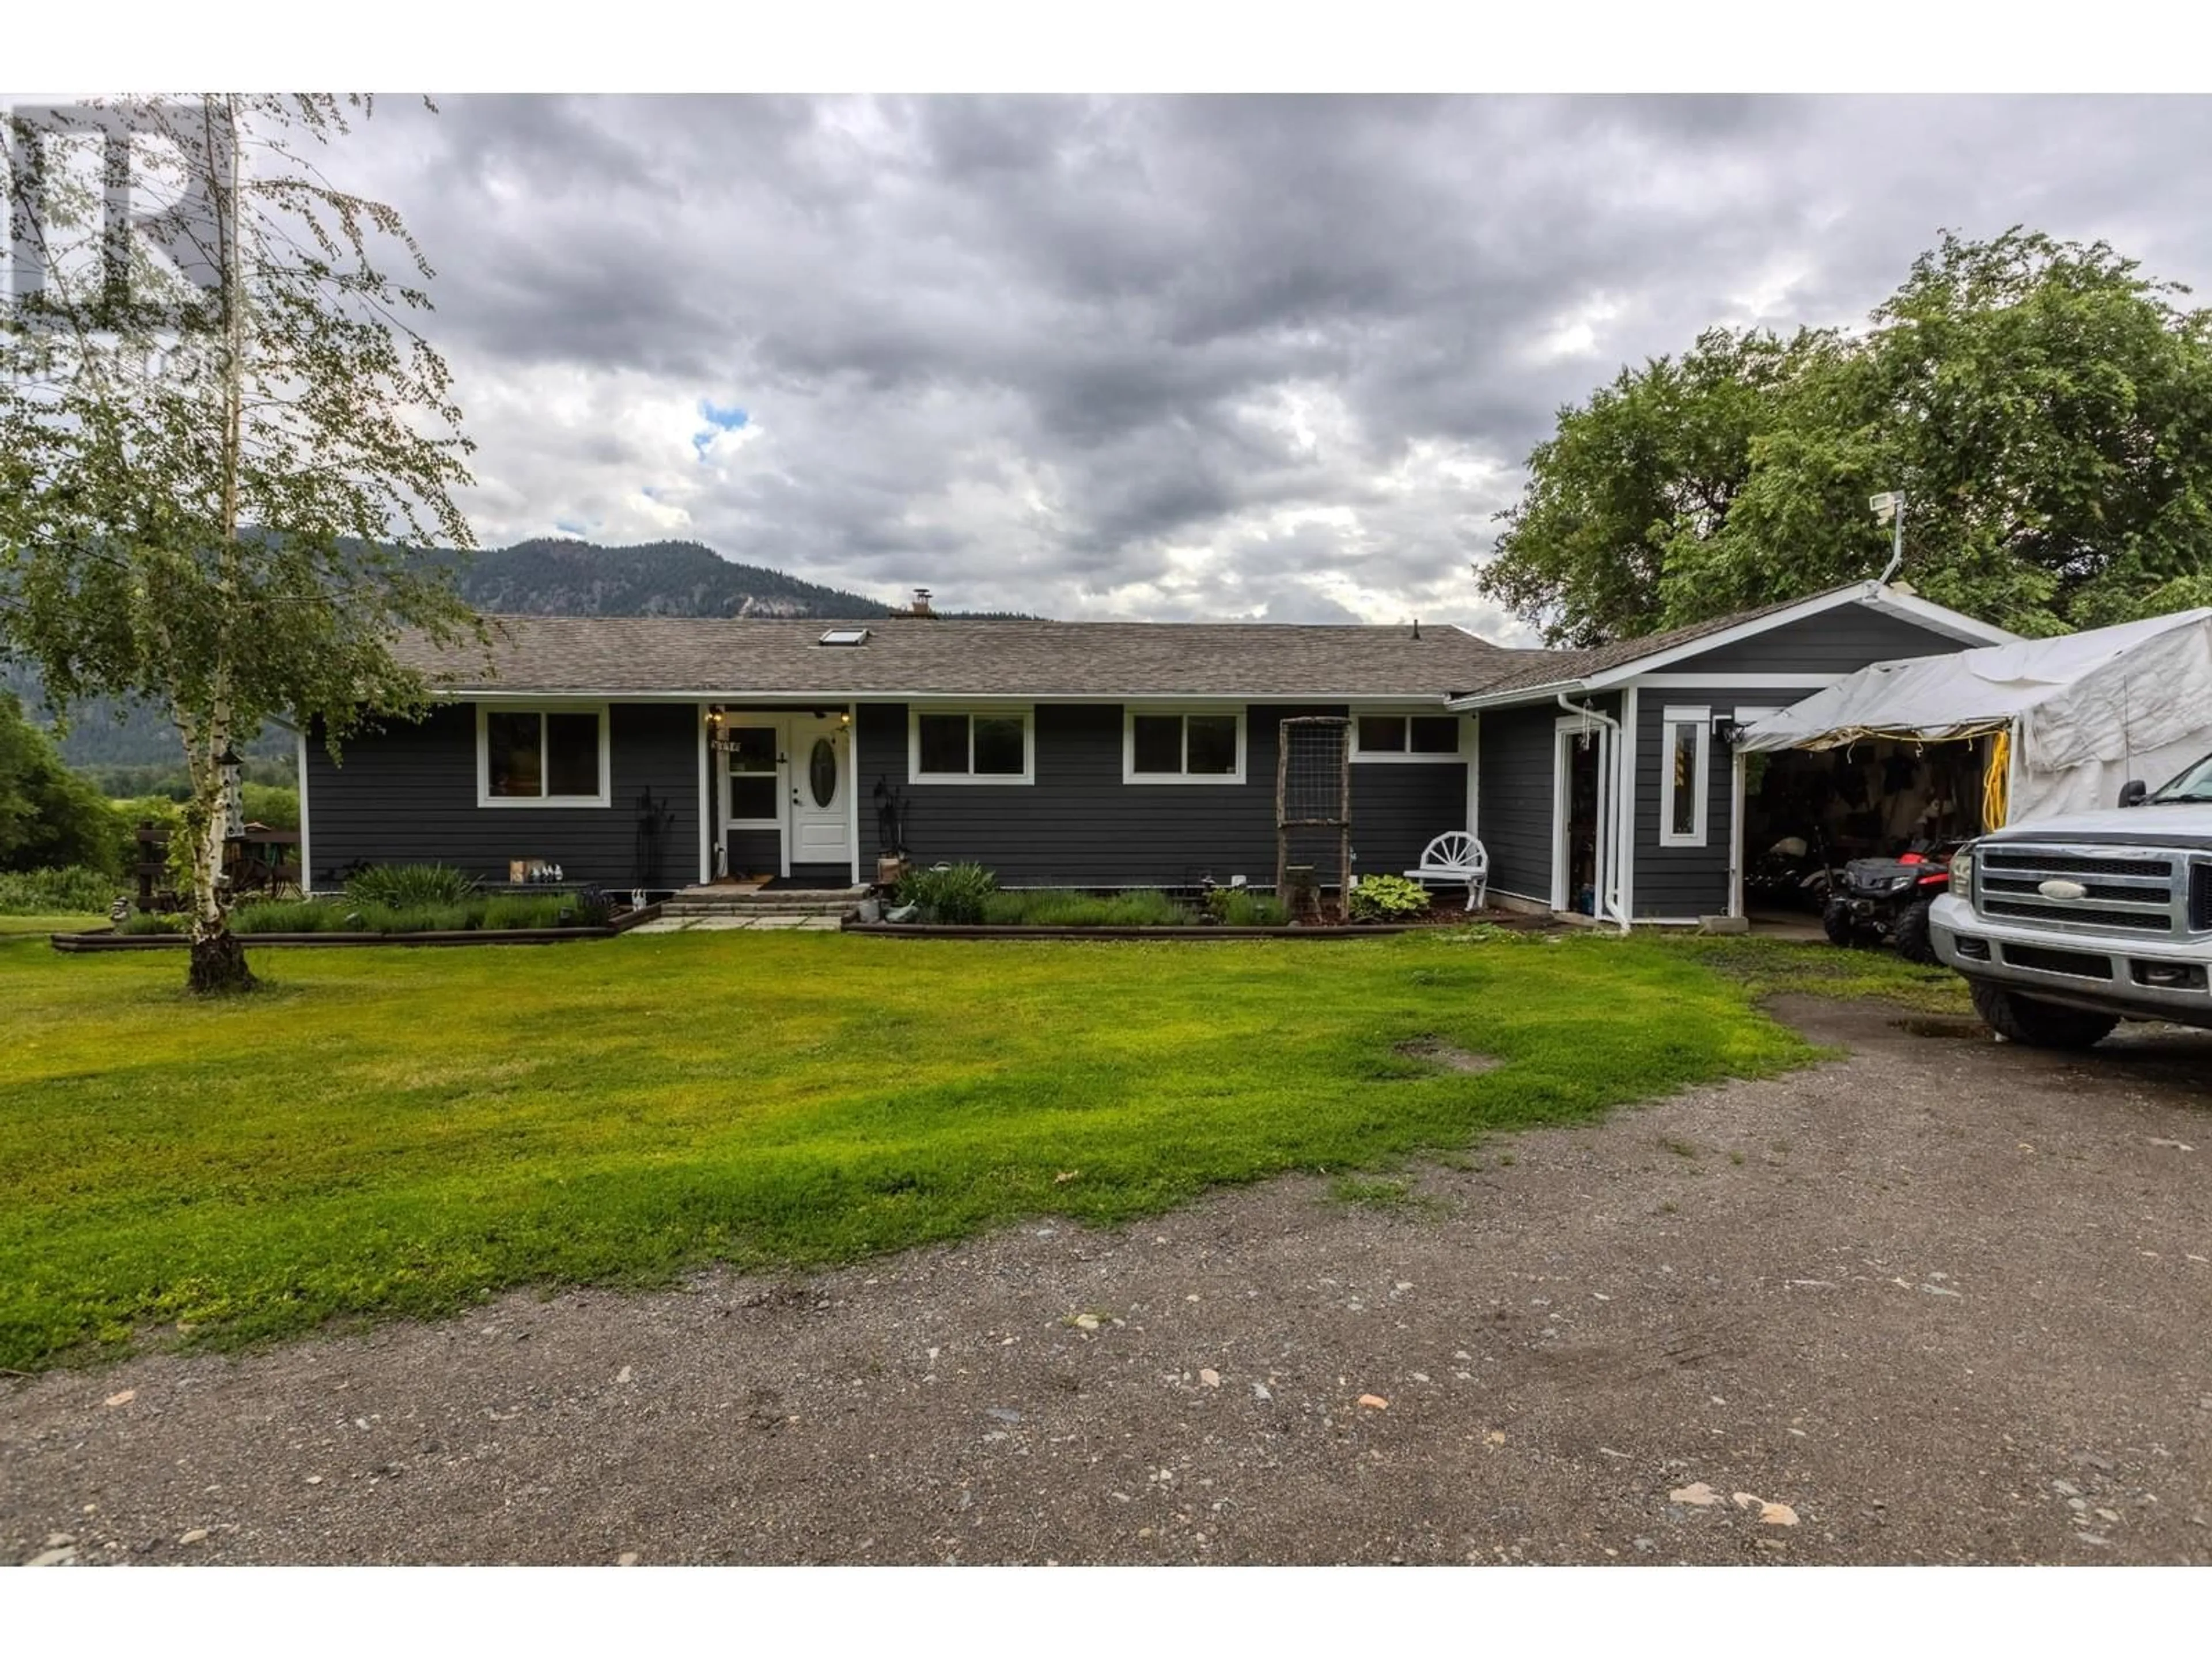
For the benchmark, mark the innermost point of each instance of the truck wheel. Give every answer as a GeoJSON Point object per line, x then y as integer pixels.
{"type": "Point", "coordinates": [2035, 1024]}
{"type": "Point", "coordinates": [1914, 942]}
{"type": "Point", "coordinates": [1836, 922]}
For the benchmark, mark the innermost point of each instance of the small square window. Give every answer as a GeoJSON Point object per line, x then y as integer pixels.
{"type": "Point", "coordinates": [1159, 744]}
{"type": "Point", "coordinates": [1382, 734]}
{"type": "Point", "coordinates": [1434, 734]}
{"type": "Point", "coordinates": [944, 743]}
{"type": "Point", "coordinates": [1210, 744]}
{"type": "Point", "coordinates": [1000, 747]}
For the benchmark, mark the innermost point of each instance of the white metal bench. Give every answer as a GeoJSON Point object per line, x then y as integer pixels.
{"type": "Point", "coordinates": [1456, 856]}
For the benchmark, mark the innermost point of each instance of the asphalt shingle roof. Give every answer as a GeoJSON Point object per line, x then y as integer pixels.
{"type": "Point", "coordinates": [944, 657]}
{"type": "Point", "coordinates": [1540, 668]}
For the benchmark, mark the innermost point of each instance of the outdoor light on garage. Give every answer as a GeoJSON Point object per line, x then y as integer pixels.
{"type": "Point", "coordinates": [1888, 509]}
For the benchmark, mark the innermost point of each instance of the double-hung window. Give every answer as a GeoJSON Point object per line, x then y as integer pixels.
{"type": "Point", "coordinates": [1408, 737]}
{"type": "Point", "coordinates": [555, 755]}
{"type": "Point", "coordinates": [971, 745]}
{"type": "Point", "coordinates": [1183, 746]}
{"type": "Point", "coordinates": [1685, 759]}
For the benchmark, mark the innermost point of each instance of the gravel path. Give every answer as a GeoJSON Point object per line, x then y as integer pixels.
{"type": "Point", "coordinates": [1940, 1302]}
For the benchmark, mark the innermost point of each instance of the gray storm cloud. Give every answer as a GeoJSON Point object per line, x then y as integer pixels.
{"type": "Point", "coordinates": [1162, 357]}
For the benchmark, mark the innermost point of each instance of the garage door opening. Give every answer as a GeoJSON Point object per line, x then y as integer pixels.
{"type": "Point", "coordinates": [1806, 813]}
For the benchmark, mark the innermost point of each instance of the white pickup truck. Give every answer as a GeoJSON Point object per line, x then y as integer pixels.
{"type": "Point", "coordinates": [2065, 927]}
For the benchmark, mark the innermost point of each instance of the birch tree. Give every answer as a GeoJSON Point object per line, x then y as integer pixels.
{"type": "Point", "coordinates": [222, 436]}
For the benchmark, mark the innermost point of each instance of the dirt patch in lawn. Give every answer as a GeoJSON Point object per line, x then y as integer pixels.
{"type": "Point", "coordinates": [1437, 1053]}
{"type": "Point", "coordinates": [1938, 1301]}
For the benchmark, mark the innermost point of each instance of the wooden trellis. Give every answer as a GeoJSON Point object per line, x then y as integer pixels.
{"type": "Point", "coordinates": [1313, 792]}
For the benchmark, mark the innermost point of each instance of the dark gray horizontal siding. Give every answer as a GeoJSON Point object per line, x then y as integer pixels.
{"type": "Point", "coordinates": [408, 795]}
{"type": "Point", "coordinates": [1079, 825]}
{"type": "Point", "coordinates": [1839, 641]}
{"type": "Point", "coordinates": [1516, 807]}
{"type": "Point", "coordinates": [1681, 883]}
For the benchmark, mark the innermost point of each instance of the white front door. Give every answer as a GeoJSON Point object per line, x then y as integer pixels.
{"type": "Point", "coordinates": [819, 780]}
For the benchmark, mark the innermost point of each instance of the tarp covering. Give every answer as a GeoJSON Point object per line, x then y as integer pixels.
{"type": "Point", "coordinates": [2087, 711]}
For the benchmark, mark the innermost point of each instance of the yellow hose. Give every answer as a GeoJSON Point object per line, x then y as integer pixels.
{"type": "Point", "coordinates": [1996, 782]}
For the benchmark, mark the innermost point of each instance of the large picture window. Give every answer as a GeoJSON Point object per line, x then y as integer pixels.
{"type": "Point", "coordinates": [548, 757]}
{"type": "Point", "coordinates": [1408, 737]}
{"type": "Point", "coordinates": [1183, 746]}
{"type": "Point", "coordinates": [1685, 738]}
{"type": "Point", "coordinates": [971, 745]}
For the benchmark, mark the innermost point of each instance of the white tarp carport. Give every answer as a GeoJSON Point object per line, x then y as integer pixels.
{"type": "Point", "coordinates": [2085, 713]}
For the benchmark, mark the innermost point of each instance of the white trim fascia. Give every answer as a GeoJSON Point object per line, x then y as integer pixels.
{"type": "Point", "coordinates": [706, 803]}
{"type": "Point", "coordinates": [307, 862]}
{"type": "Point", "coordinates": [1737, 768]}
{"type": "Point", "coordinates": [1693, 681]}
{"type": "Point", "coordinates": [1475, 776]}
{"type": "Point", "coordinates": [1202, 700]}
{"type": "Point", "coordinates": [1407, 757]}
{"type": "Point", "coordinates": [917, 776]}
{"type": "Point", "coordinates": [1130, 775]}
{"type": "Point", "coordinates": [1954, 624]}
{"type": "Point", "coordinates": [1562, 771]}
{"type": "Point", "coordinates": [486, 799]}
{"type": "Point", "coordinates": [1701, 804]}
{"type": "Point", "coordinates": [1629, 803]}
{"type": "Point", "coordinates": [1548, 692]}
{"type": "Point", "coordinates": [852, 788]}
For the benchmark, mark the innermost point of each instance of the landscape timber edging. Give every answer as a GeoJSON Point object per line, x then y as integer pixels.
{"type": "Point", "coordinates": [931, 930]}
{"type": "Point", "coordinates": [108, 940]}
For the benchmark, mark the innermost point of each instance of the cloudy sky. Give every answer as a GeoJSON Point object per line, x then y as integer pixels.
{"type": "Point", "coordinates": [1256, 358]}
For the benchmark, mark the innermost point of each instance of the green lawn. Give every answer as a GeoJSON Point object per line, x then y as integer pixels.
{"type": "Point", "coordinates": [405, 1131]}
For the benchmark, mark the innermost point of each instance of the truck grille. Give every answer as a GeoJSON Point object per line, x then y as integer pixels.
{"type": "Point", "coordinates": [2200, 898]}
{"type": "Point", "coordinates": [2151, 895]}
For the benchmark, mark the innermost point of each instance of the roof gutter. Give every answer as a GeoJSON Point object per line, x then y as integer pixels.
{"type": "Point", "coordinates": [1544, 693]}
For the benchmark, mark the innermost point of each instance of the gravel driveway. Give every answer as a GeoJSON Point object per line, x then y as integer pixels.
{"type": "Point", "coordinates": [1941, 1300]}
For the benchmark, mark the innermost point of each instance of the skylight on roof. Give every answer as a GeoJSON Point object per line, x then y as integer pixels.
{"type": "Point", "coordinates": [844, 636]}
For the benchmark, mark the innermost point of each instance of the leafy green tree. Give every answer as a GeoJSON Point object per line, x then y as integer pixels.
{"type": "Point", "coordinates": [1651, 466]}
{"type": "Point", "coordinates": [2046, 409]}
{"type": "Point", "coordinates": [212, 466]}
{"type": "Point", "coordinates": [49, 816]}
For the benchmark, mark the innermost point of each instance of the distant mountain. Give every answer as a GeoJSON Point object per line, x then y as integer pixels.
{"type": "Point", "coordinates": [552, 577]}
{"type": "Point", "coordinates": [547, 577]}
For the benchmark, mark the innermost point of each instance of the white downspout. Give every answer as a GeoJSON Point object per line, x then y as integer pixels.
{"type": "Point", "coordinates": [1608, 873]}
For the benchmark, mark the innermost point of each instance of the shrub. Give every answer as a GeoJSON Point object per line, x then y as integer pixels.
{"type": "Point", "coordinates": [507, 911]}
{"type": "Point", "coordinates": [149, 921]}
{"type": "Point", "coordinates": [275, 805]}
{"type": "Point", "coordinates": [953, 894]}
{"type": "Point", "coordinates": [1389, 899]}
{"type": "Point", "coordinates": [1057, 907]}
{"type": "Point", "coordinates": [1240, 907]}
{"type": "Point", "coordinates": [55, 892]}
{"type": "Point", "coordinates": [405, 887]}
{"type": "Point", "coordinates": [292, 916]}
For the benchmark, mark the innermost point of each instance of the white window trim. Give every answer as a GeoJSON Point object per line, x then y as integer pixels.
{"type": "Point", "coordinates": [1669, 720]}
{"type": "Point", "coordinates": [1026, 713]}
{"type": "Point", "coordinates": [1405, 757]}
{"type": "Point", "coordinates": [603, 798]}
{"type": "Point", "coordinates": [1131, 774]}
{"type": "Point", "coordinates": [779, 727]}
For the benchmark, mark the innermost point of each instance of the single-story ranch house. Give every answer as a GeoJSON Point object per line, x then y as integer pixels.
{"type": "Point", "coordinates": [656, 752]}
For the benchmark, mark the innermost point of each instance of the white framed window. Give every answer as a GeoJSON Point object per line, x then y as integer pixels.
{"type": "Point", "coordinates": [1685, 738]}
{"type": "Point", "coordinates": [1181, 745]}
{"type": "Point", "coordinates": [548, 754]}
{"type": "Point", "coordinates": [752, 774]}
{"type": "Point", "coordinates": [977, 743]}
{"type": "Point", "coordinates": [1417, 735]}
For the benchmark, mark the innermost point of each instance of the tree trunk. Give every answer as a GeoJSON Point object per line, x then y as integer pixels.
{"type": "Point", "coordinates": [218, 965]}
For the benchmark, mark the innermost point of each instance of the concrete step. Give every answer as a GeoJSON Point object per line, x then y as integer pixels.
{"type": "Point", "coordinates": [839, 907]}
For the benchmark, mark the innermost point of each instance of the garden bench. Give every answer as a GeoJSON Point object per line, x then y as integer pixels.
{"type": "Point", "coordinates": [1455, 856]}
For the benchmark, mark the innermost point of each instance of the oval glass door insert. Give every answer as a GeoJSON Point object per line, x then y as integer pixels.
{"type": "Point", "coordinates": [822, 771]}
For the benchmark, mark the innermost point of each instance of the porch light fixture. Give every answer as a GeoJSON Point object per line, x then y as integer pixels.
{"type": "Point", "coordinates": [1728, 731]}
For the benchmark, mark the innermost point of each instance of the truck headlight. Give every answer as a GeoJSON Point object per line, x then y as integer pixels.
{"type": "Point", "coordinates": [1962, 872]}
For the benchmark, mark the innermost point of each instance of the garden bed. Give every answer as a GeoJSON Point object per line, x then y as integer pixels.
{"type": "Point", "coordinates": [107, 939]}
